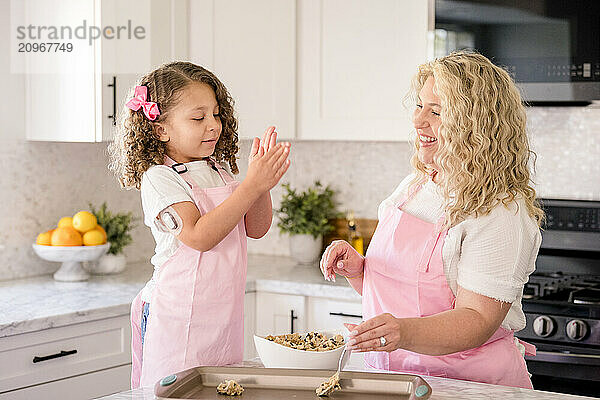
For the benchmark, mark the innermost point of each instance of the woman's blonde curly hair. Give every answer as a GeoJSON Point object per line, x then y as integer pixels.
{"type": "Point", "coordinates": [136, 147]}
{"type": "Point", "coordinates": [483, 150]}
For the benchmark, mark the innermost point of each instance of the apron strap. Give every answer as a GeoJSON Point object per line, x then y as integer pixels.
{"type": "Point", "coordinates": [530, 350]}
{"type": "Point", "coordinates": [182, 170]}
{"type": "Point", "coordinates": [220, 170]}
{"type": "Point", "coordinates": [411, 194]}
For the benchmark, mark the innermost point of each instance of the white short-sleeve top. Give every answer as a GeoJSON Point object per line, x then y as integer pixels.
{"type": "Point", "coordinates": [492, 255]}
{"type": "Point", "coordinates": [162, 187]}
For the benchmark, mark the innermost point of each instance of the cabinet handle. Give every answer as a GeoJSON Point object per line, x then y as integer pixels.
{"type": "Point", "coordinates": [114, 86]}
{"type": "Point", "coordinates": [292, 318]}
{"type": "Point", "coordinates": [341, 314]}
{"type": "Point", "coordinates": [62, 353]}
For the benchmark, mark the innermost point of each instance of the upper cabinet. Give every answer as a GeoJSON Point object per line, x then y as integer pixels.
{"type": "Point", "coordinates": [250, 45]}
{"type": "Point", "coordinates": [355, 62]}
{"type": "Point", "coordinates": [78, 94]}
{"type": "Point", "coordinates": [317, 69]}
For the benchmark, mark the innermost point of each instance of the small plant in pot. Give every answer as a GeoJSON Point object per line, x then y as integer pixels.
{"type": "Point", "coordinates": [305, 217]}
{"type": "Point", "coordinates": [118, 227]}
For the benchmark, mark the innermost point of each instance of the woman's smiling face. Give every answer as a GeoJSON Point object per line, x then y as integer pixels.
{"type": "Point", "coordinates": [427, 121]}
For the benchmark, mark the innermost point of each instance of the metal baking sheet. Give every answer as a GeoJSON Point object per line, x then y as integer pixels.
{"type": "Point", "coordinates": [297, 384]}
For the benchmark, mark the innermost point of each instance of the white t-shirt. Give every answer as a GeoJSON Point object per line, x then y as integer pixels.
{"type": "Point", "coordinates": [162, 187]}
{"type": "Point", "coordinates": [492, 255]}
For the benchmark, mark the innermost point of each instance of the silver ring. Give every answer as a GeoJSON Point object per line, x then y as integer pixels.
{"type": "Point", "coordinates": [382, 341]}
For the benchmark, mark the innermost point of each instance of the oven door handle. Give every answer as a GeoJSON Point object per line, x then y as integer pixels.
{"type": "Point", "coordinates": [571, 358]}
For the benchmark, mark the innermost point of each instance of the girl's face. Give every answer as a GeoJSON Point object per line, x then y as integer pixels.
{"type": "Point", "coordinates": [426, 120]}
{"type": "Point", "coordinates": [193, 125]}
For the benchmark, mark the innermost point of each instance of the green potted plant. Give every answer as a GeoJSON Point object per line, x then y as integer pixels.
{"type": "Point", "coordinates": [118, 227]}
{"type": "Point", "coordinates": [305, 217]}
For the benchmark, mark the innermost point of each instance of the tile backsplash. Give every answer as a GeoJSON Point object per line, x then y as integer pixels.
{"type": "Point", "coordinates": [43, 181]}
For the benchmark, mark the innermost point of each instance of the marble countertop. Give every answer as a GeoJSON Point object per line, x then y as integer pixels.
{"type": "Point", "coordinates": [442, 389]}
{"type": "Point", "coordinates": [33, 304]}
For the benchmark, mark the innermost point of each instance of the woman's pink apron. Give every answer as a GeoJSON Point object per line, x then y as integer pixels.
{"type": "Point", "coordinates": [404, 276]}
{"type": "Point", "coordinates": [196, 309]}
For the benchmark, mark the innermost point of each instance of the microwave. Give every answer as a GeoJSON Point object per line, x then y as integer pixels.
{"type": "Point", "coordinates": [550, 47]}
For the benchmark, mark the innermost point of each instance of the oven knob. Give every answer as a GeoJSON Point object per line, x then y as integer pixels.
{"type": "Point", "coordinates": [543, 326]}
{"type": "Point", "coordinates": [576, 329]}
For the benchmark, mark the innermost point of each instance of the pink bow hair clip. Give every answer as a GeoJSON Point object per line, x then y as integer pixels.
{"type": "Point", "coordinates": [139, 100]}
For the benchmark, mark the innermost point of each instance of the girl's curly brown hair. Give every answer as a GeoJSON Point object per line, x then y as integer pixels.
{"type": "Point", "coordinates": [136, 147]}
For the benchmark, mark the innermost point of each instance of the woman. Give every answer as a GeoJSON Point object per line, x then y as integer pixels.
{"type": "Point", "coordinates": [443, 277]}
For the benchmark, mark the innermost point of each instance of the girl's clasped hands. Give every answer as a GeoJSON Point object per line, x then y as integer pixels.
{"type": "Point", "coordinates": [268, 161]}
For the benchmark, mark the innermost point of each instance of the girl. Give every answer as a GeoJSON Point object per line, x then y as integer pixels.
{"type": "Point", "coordinates": [443, 277]}
{"type": "Point", "coordinates": [177, 131]}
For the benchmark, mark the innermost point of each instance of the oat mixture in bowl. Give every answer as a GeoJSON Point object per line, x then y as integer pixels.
{"type": "Point", "coordinates": [312, 341]}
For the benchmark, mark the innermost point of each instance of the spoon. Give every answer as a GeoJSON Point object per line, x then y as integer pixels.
{"type": "Point", "coordinates": [343, 358]}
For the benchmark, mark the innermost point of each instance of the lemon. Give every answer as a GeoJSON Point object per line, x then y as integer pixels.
{"type": "Point", "coordinates": [84, 221]}
{"type": "Point", "coordinates": [65, 221]}
{"type": "Point", "coordinates": [45, 239]}
{"type": "Point", "coordinates": [101, 229]}
{"type": "Point", "coordinates": [93, 238]}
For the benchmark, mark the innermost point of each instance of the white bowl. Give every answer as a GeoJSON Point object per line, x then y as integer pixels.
{"type": "Point", "coordinates": [71, 258]}
{"type": "Point", "coordinates": [275, 355]}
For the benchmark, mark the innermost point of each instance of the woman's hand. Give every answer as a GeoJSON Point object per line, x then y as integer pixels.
{"type": "Point", "coordinates": [268, 162]}
{"type": "Point", "coordinates": [367, 336]}
{"type": "Point", "coordinates": [341, 258]}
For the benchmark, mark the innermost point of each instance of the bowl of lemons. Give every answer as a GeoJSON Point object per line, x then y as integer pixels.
{"type": "Point", "coordinates": [74, 240]}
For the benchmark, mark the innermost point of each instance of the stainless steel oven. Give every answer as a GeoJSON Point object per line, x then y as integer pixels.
{"type": "Point", "coordinates": [561, 301]}
{"type": "Point", "coordinates": [551, 47]}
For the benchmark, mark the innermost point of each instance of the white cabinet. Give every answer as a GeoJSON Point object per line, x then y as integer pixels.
{"type": "Point", "coordinates": [324, 314]}
{"type": "Point", "coordinates": [355, 62]}
{"type": "Point", "coordinates": [88, 386]}
{"type": "Point", "coordinates": [249, 325]}
{"type": "Point", "coordinates": [278, 314]}
{"type": "Point", "coordinates": [251, 47]}
{"type": "Point", "coordinates": [59, 360]}
{"type": "Point", "coordinates": [74, 96]}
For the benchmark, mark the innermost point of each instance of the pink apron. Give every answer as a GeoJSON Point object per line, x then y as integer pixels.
{"type": "Point", "coordinates": [136, 340]}
{"type": "Point", "coordinates": [404, 276]}
{"type": "Point", "coordinates": [196, 309]}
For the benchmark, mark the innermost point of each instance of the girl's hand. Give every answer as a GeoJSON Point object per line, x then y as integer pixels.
{"type": "Point", "coordinates": [265, 171]}
{"type": "Point", "coordinates": [341, 258]}
{"type": "Point", "coordinates": [260, 148]}
{"type": "Point", "coordinates": [366, 336]}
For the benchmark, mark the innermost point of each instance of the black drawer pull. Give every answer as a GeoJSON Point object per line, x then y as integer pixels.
{"type": "Point", "coordinates": [62, 353]}
{"type": "Point", "coordinates": [292, 318]}
{"type": "Point", "coordinates": [341, 314]}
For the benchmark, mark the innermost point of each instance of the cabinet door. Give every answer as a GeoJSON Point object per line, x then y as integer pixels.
{"type": "Point", "coordinates": [249, 325]}
{"type": "Point", "coordinates": [59, 85]}
{"type": "Point", "coordinates": [279, 314]}
{"type": "Point", "coordinates": [251, 48]}
{"type": "Point", "coordinates": [355, 62]}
